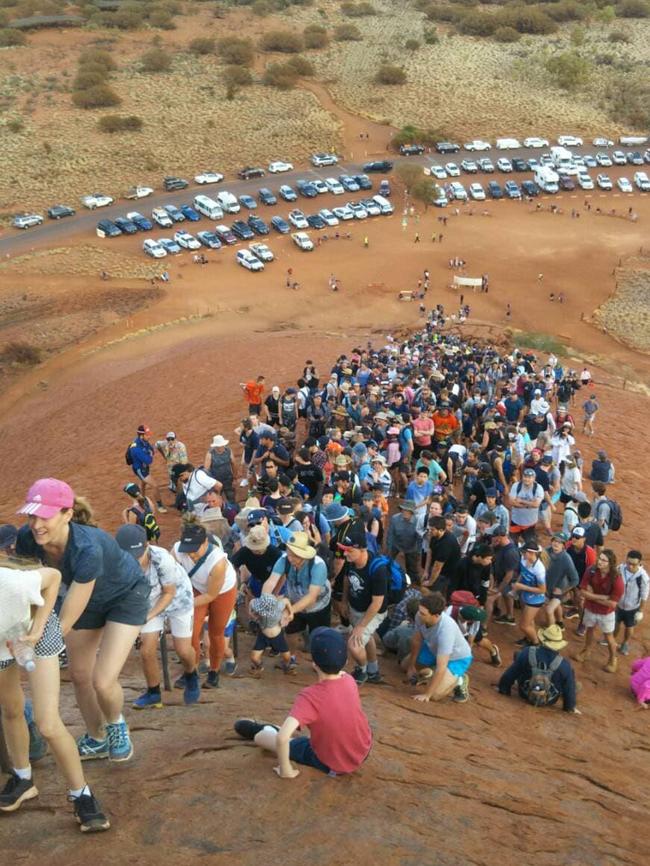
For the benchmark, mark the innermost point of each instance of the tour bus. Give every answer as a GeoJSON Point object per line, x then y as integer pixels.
{"type": "Point", "coordinates": [208, 207]}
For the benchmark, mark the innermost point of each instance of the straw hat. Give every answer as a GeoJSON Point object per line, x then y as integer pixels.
{"type": "Point", "coordinates": [552, 637]}
{"type": "Point", "coordinates": [257, 538]}
{"type": "Point", "coordinates": [298, 544]}
{"type": "Point", "coordinates": [219, 441]}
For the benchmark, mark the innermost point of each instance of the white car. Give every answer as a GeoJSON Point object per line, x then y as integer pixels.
{"type": "Point", "coordinates": [343, 213]}
{"type": "Point", "coordinates": [641, 181]}
{"type": "Point", "coordinates": [139, 192]}
{"type": "Point", "coordinates": [585, 181]}
{"type": "Point", "coordinates": [570, 141]}
{"type": "Point", "coordinates": [624, 185]}
{"type": "Point", "coordinates": [508, 144]}
{"type": "Point", "coordinates": [452, 169]}
{"type": "Point", "coordinates": [619, 158]}
{"type": "Point", "coordinates": [159, 215]}
{"type": "Point", "coordinates": [321, 159]}
{"type": "Point", "coordinates": [96, 199]}
{"type": "Point", "coordinates": [334, 186]}
{"type": "Point", "coordinates": [247, 260]}
{"type": "Point", "coordinates": [27, 220]}
{"type": "Point", "coordinates": [604, 182]}
{"type": "Point", "coordinates": [371, 207]}
{"type": "Point", "coordinates": [303, 241]}
{"type": "Point", "coordinates": [438, 172]}
{"type": "Point", "coordinates": [320, 186]}
{"type": "Point", "coordinates": [535, 142]}
{"type": "Point", "coordinates": [276, 167]}
{"type": "Point", "coordinates": [602, 142]}
{"type": "Point", "coordinates": [477, 192]}
{"type": "Point", "coordinates": [208, 177]}
{"type": "Point", "coordinates": [504, 164]}
{"type": "Point", "coordinates": [262, 252]}
{"type": "Point", "coordinates": [154, 249]}
{"type": "Point", "coordinates": [477, 144]}
{"type": "Point", "coordinates": [328, 217]}
{"type": "Point", "coordinates": [186, 240]}
{"type": "Point", "coordinates": [298, 219]}
{"type": "Point", "coordinates": [604, 159]}
{"type": "Point", "coordinates": [458, 190]}
{"type": "Point", "coordinates": [358, 210]}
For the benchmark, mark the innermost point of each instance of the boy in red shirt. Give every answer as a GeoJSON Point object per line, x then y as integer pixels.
{"type": "Point", "coordinates": [340, 739]}
{"type": "Point", "coordinates": [601, 589]}
{"type": "Point", "coordinates": [254, 392]}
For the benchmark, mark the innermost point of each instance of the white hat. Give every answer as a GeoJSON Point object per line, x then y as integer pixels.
{"type": "Point", "coordinates": [219, 441]}
{"type": "Point", "coordinates": [170, 435]}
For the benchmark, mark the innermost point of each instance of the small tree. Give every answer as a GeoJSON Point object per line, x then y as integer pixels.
{"type": "Point", "coordinates": [97, 57]}
{"type": "Point", "coordinates": [389, 74]}
{"type": "Point", "coordinates": [358, 10]}
{"type": "Point", "coordinates": [156, 60]}
{"type": "Point", "coordinates": [284, 41]}
{"type": "Point", "coordinates": [347, 33]}
{"type": "Point", "coordinates": [202, 45]}
{"type": "Point", "coordinates": [315, 36]}
{"type": "Point", "coordinates": [569, 69]}
{"type": "Point", "coordinates": [633, 9]}
{"type": "Point", "coordinates": [100, 96]}
{"type": "Point", "coordinates": [280, 75]}
{"type": "Point", "coordinates": [237, 76]}
{"type": "Point", "coordinates": [303, 67]}
{"type": "Point", "coordinates": [410, 174]}
{"type": "Point", "coordinates": [236, 52]}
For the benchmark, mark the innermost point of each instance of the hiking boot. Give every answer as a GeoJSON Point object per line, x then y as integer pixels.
{"type": "Point", "coordinates": [288, 668]}
{"type": "Point", "coordinates": [91, 749]}
{"type": "Point", "coordinates": [211, 681]}
{"type": "Point", "coordinates": [572, 613]}
{"type": "Point", "coordinates": [230, 667]}
{"type": "Point", "coordinates": [581, 630]}
{"type": "Point", "coordinates": [37, 743]}
{"type": "Point", "coordinates": [89, 814]}
{"type": "Point", "coordinates": [249, 728]}
{"type": "Point", "coordinates": [461, 692]}
{"type": "Point", "coordinates": [192, 690]}
{"type": "Point", "coordinates": [582, 656]}
{"type": "Point", "coordinates": [181, 682]}
{"type": "Point", "coordinates": [612, 665]}
{"type": "Point", "coordinates": [255, 670]}
{"type": "Point", "coordinates": [376, 679]}
{"type": "Point", "coordinates": [624, 650]}
{"type": "Point", "coordinates": [495, 656]}
{"type": "Point", "coordinates": [120, 747]}
{"type": "Point", "coordinates": [148, 700]}
{"type": "Point", "coordinates": [15, 792]}
{"type": "Point", "coordinates": [504, 620]}
{"type": "Point", "coordinates": [359, 675]}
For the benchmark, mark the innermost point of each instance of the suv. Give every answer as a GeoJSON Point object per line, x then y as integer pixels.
{"type": "Point", "coordinates": [321, 159]}
{"type": "Point", "coordinates": [58, 211]}
{"type": "Point", "coordinates": [381, 165]}
{"type": "Point", "coordinates": [411, 149]}
{"type": "Point", "coordinates": [172, 183]}
{"type": "Point", "coordinates": [107, 229]}
{"type": "Point", "coordinates": [27, 220]}
{"type": "Point", "coordinates": [248, 173]}
{"type": "Point", "coordinates": [447, 147]}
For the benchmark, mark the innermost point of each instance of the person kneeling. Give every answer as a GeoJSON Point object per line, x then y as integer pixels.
{"type": "Point", "coordinates": [267, 611]}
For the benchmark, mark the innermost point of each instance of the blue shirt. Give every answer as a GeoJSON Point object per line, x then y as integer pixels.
{"type": "Point", "coordinates": [535, 576]}
{"type": "Point", "coordinates": [298, 581]}
{"type": "Point", "coordinates": [141, 453]}
{"type": "Point", "coordinates": [419, 494]}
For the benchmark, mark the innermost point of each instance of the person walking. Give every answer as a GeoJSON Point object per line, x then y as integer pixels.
{"type": "Point", "coordinates": [601, 588]}
{"type": "Point", "coordinates": [139, 456]}
{"type": "Point", "coordinates": [220, 464]}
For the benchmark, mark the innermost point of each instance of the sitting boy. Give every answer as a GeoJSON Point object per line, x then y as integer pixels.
{"type": "Point", "coordinates": [340, 734]}
{"type": "Point", "coordinates": [268, 611]}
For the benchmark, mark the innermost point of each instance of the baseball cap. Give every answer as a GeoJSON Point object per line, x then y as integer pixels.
{"type": "Point", "coordinates": [256, 515]}
{"type": "Point", "coordinates": [499, 532]}
{"type": "Point", "coordinates": [8, 535]}
{"type": "Point", "coordinates": [528, 471]}
{"type": "Point", "coordinates": [143, 430]}
{"type": "Point", "coordinates": [170, 435]}
{"type": "Point", "coordinates": [46, 497]}
{"type": "Point", "coordinates": [355, 537]}
{"type": "Point", "coordinates": [547, 458]}
{"type": "Point", "coordinates": [473, 614]}
{"type": "Point", "coordinates": [284, 507]}
{"type": "Point", "coordinates": [192, 538]}
{"type": "Point", "coordinates": [559, 536]}
{"type": "Point", "coordinates": [329, 650]}
{"type": "Point", "coordinates": [578, 532]}
{"type": "Point", "coordinates": [132, 489]}
{"type": "Point", "coordinates": [132, 538]}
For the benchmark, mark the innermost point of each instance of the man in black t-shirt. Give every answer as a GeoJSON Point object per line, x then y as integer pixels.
{"type": "Point", "coordinates": [443, 557]}
{"type": "Point", "coordinates": [505, 566]}
{"type": "Point", "coordinates": [365, 593]}
{"type": "Point", "coordinates": [308, 474]}
{"type": "Point", "coordinates": [256, 556]}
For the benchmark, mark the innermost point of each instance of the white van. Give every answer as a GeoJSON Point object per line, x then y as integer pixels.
{"type": "Point", "coordinates": [208, 207]}
{"type": "Point", "coordinates": [228, 202]}
{"type": "Point", "coordinates": [507, 144]}
{"type": "Point", "coordinates": [546, 179]}
{"type": "Point", "coordinates": [383, 204]}
{"type": "Point", "coordinates": [632, 140]}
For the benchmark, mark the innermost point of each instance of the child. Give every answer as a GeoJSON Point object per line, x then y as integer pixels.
{"type": "Point", "coordinates": [341, 738]}
{"type": "Point", "coordinates": [268, 610]}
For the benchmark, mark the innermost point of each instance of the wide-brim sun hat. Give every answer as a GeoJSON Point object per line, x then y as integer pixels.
{"type": "Point", "coordinates": [219, 441]}
{"type": "Point", "coordinates": [299, 545]}
{"type": "Point", "coordinates": [552, 637]}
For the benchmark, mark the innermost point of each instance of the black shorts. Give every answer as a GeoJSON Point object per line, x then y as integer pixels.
{"type": "Point", "coordinates": [626, 617]}
{"type": "Point", "coordinates": [277, 643]}
{"type": "Point", "coordinates": [130, 608]}
{"type": "Point", "coordinates": [303, 621]}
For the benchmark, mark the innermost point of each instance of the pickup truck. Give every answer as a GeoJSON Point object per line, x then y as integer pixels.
{"type": "Point", "coordinates": [138, 192]}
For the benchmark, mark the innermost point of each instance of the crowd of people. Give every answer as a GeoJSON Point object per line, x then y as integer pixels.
{"type": "Point", "coordinates": [402, 512]}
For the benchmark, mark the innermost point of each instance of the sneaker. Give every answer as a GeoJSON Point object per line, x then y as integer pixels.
{"type": "Point", "coordinates": [212, 680]}
{"type": "Point", "coordinates": [289, 668]}
{"type": "Point", "coordinates": [181, 682]}
{"type": "Point", "coordinates": [230, 667]}
{"type": "Point", "coordinates": [495, 657]}
{"type": "Point", "coordinates": [249, 728]}
{"type": "Point", "coordinates": [192, 690]}
{"type": "Point", "coordinates": [505, 620]}
{"type": "Point", "coordinates": [89, 814]}
{"type": "Point", "coordinates": [161, 508]}
{"type": "Point", "coordinates": [255, 670]}
{"type": "Point", "coordinates": [203, 668]}
{"type": "Point", "coordinates": [602, 642]}
{"type": "Point", "coordinates": [91, 749]}
{"type": "Point", "coordinates": [581, 630]}
{"type": "Point", "coordinates": [376, 679]}
{"type": "Point", "coordinates": [37, 743]}
{"type": "Point", "coordinates": [612, 665]}
{"type": "Point", "coordinates": [624, 650]}
{"type": "Point", "coordinates": [120, 747]}
{"type": "Point", "coordinates": [148, 700]}
{"type": "Point", "coordinates": [461, 692]}
{"type": "Point", "coordinates": [15, 792]}
{"type": "Point", "coordinates": [572, 613]}
{"type": "Point", "coordinates": [359, 675]}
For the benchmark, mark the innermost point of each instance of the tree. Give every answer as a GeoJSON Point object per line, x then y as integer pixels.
{"type": "Point", "coordinates": [390, 74]}
{"type": "Point", "coordinates": [410, 174]}
{"type": "Point", "coordinates": [202, 45]}
{"type": "Point", "coordinates": [425, 191]}
{"type": "Point", "coordinates": [236, 52]}
{"type": "Point", "coordinates": [315, 36]}
{"type": "Point", "coordinates": [156, 60]}
{"type": "Point", "coordinates": [284, 41]}
{"type": "Point", "coordinates": [569, 69]}
{"type": "Point", "coordinates": [100, 96]}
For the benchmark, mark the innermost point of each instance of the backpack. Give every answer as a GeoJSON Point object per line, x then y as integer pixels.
{"type": "Point", "coordinates": [462, 598]}
{"type": "Point", "coordinates": [397, 578]}
{"type": "Point", "coordinates": [372, 544]}
{"type": "Point", "coordinates": [128, 457]}
{"type": "Point", "coordinates": [539, 689]}
{"type": "Point", "coordinates": [615, 515]}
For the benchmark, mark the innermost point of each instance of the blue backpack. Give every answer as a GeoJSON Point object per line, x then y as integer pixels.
{"type": "Point", "coordinates": [372, 544]}
{"type": "Point", "coordinates": [397, 578]}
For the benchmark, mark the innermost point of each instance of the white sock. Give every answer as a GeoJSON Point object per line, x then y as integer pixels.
{"type": "Point", "coordinates": [270, 728]}
{"type": "Point", "coordinates": [23, 772]}
{"type": "Point", "coordinates": [79, 791]}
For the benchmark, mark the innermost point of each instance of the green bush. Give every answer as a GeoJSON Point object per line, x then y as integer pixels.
{"type": "Point", "coordinates": [88, 77]}
{"type": "Point", "coordinates": [236, 52]}
{"type": "Point", "coordinates": [261, 8]}
{"type": "Point", "coordinates": [18, 352]}
{"type": "Point", "coordinates": [506, 34]}
{"type": "Point", "coordinates": [358, 10]}
{"type": "Point", "coordinates": [202, 45]}
{"type": "Point", "coordinates": [303, 67]}
{"type": "Point", "coordinates": [411, 45]}
{"type": "Point", "coordinates": [97, 57]}
{"type": "Point", "coordinates": [237, 76]}
{"type": "Point", "coordinates": [120, 123]}
{"type": "Point", "coordinates": [9, 38]}
{"type": "Point", "coordinates": [126, 18]}
{"type": "Point", "coordinates": [155, 60]}
{"type": "Point", "coordinates": [525, 20]}
{"type": "Point", "coordinates": [284, 41]}
{"type": "Point", "coordinates": [315, 36]}
{"type": "Point", "coordinates": [633, 9]}
{"type": "Point", "coordinates": [450, 14]}
{"type": "Point", "coordinates": [619, 36]}
{"type": "Point", "coordinates": [280, 75]}
{"type": "Point", "coordinates": [162, 19]}
{"type": "Point", "coordinates": [16, 124]}
{"type": "Point", "coordinates": [390, 74]}
{"type": "Point", "coordinates": [568, 69]}
{"type": "Point", "coordinates": [347, 33]}
{"type": "Point", "coordinates": [100, 96]}
{"type": "Point", "coordinates": [566, 10]}
{"type": "Point", "coordinates": [431, 36]}
{"type": "Point", "coordinates": [477, 24]}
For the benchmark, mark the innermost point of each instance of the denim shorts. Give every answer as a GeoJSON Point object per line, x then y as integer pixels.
{"type": "Point", "coordinates": [131, 608]}
{"type": "Point", "coordinates": [457, 667]}
{"type": "Point", "coordinates": [301, 752]}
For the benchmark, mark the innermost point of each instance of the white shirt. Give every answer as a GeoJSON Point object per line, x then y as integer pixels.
{"type": "Point", "coordinates": [561, 446]}
{"type": "Point", "coordinates": [198, 484]}
{"type": "Point", "coordinates": [201, 576]}
{"type": "Point", "coordinates": [18, 591]}
{"type": "Point", "coordinates": [164, 570]}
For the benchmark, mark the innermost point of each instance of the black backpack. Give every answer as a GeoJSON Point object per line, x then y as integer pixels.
{"type": "Point", "coordinates": [615, 514]}
{"type": "Point", "coordinates": [127, 456]}
{"type": "Point", "coordinates": [539, 689]}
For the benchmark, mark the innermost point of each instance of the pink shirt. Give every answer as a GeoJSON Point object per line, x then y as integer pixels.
{"type": "Point", "coordinates": [640, 679]}
{"type": "Point", "coordinates": [340, 733]}
{"type": "Point", "coordinates": [423, 429]}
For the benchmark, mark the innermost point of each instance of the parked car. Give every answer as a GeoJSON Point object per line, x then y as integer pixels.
{"type": "Point", "coordinates": [504, 165]}
{"type": "Point", "coordinates": [532, 164]}
{"type": "Point", "coordinates": [248, 201]}
{"type": "Point", "coordinates": [302, 241]}
{"type": "Point", "coordinates": [411, 149]}
{"type": "Point", "coordinates": [279, 166]}
{"type": "Point", "coordinates": [601, 142]}
{"type": "Point", "coordinates": [511, 189]}
{"type": "Point", "coordinates": [477, 192]}
{"type": "Point", "coordinates": [382, 165]}
{"type": "Point", "coordinates": [59, 211]}
{"type": "Point", "coordinates": [458, 191]}
{"type": "Point", "coordinates": [603, 159]}
{"type": "Point", "coordinates": [439, 172]}
{"type": "Point", "coordinates": [175, 213]}
{"type": "Point", "coordinates": [288, 193]}
{"type": "Point", "coordinates": [125, 225]}
{"type": "Point", "coordinates": [209, 240]}
{"type": "Point", "coordinates": [486, 165]}
{"type": "Point", "coordinates": [334, 186]}
{"type": "Point", "coordinates": [535, 142]}
{"type": "Point", "coordinates": [320, 186]}
{"type": "Point", "coordinates": [604, 182]}
{"type": "Point", "coordinates": [328, 217]}
{"type": "Point", "coordinates": [280, 225]}
{"type": "Point", "coordinates": [641, 181]}
{"type": "Point", "coordinates": [477, 144]}
{"type": "Point", "coordinates": [225, 235]}
{"type": "Point", "coordinates": [624, 185]}
{"type": "Point", "coordinates": [250, 172]}
{"type": "Point", "coordinates": [364, 181]}
{"type": "Point", "coordinates": [447, 147]}
{"type": "Point", "coordinates": [161, 217]}
{"type": "Point", "coordinates": [634, 158]}
{"type": "Point", "coordinates": [96, 199]}
{"type": "Point", "coordinates": [494, 189]}
{"type": "Point", "coordinates": [452, 169]}
{"type": "Point", "coordinates": [143, 224]}
{"type": "Point", "coordinates": [261, 251]}
{"type": "Point", "coordinates": [359, 211]}
{"type": "Point", "coordinates": [343, 213]}
{"type": "Point", "coordinates": [306, 188]}
{"type": "Point", "coordinates": [172, 183]}
{"type": "Point", "coordinates": [519, 164]}
{"type": "Point", "coordinates": [154, 249]}
{"type": "Point", "coordinates": [573, 141]}
{"type": "Point", "coordinates": [208, 177]}
{"type": "Point", "coordinates": [370, 206]}
{"type": "Point", "coordinates": [266, 196]}
{"type": "Point", "coordinates": [469, 166]}
{"type": "Point", "coordinates": [189, 213]}
{"type": "Point", "coordinates": [316, 221]}
{"type": "Point", "coordinates": [26, 220]}
{"type": "Point", "coordinates": [508, 144]}
{"type": "Point", "coordinates": [619, 158]}
{"type": "Point", "coordinates": [349, 183]}
{"type": "Point", "coordinates": [108, 229]}
{"type": "Point", "coordinates": [186, 240]}
{"type": "Point", "coordinates": [590, 160]}
{"type": "Point", "coordinates": [242, 230]}
{"type": "Point", "coordinates": [529, 188]}
{"type": "Point", "coordinates": [138, 192]}
{"type": "Point", "coordinates": [247, 260]}
{"type": "Point", "coordinates": [566, 183]}
{"type": "Point", "coordinates": [172, 248]}
{"type": "Point", "coordinates": [322, 159]}
{"type": "Point", "coordinates": [384, 188]}
{"type": "Point", "coordinates": [298, 219]}
{"type": "Point", "coordinates": [585, 181]}
{"type": "Point", "coordinates": [258, 225]}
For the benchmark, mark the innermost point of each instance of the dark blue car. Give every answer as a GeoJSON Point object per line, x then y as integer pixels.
{"type": "Point", "coordinates": [280, 225]}
{"type": "Point", "coordinates": [126, 226]}
{"type": "Point", "coordinates": [189, 213]}
{"type": "Point", "coordinates": [307, 188]}
{"type": "Point", "coordinates": [143, 224]}
{"type": "Point", "coordinates": [266, 196]}
{"type": "Point", "coordinates": [258, 225]}
{"type": "Point", "coordinates": [316, 221]}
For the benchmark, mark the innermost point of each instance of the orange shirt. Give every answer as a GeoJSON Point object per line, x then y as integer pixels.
{"type": "Point", "coordinates": [254, 391]}
{"type": "Point", "coordinates": [445, 425]}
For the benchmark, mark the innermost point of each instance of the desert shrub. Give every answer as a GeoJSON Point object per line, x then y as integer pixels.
{"type": "Point", "coordinates": [161, 18]}
{"type": "Point", "coordinates": [315, 36]}
{"type": "Point", "coordinates": [566, 10]}
{"type": "Point", "coordinates": [237, 76]}
{"type": "Point", "coordinates": [19, 352]}
{"type": "Point", "coordinates": [9, 38]}
{"type": "Point", "coordinates": [506, 34]}
{"type": "Point", "coordinates": [303, 67]}
{"type": "Point", "coordinates": [236, 52]}
{"type": "Point", "coordinates": [261, 8]}
{"type": "Point", "coordinates": [477, 24]}
{"type": "Point", "coordinates": [411, 45]}
{"type": "Point", "coordinates": [415, 135]}
{"type": "Point", "coordinates": [431, 36]}
{"type": "Point", "coordinates": [619, 36]}
{"type": "Point", "coordinates": [284, 41]}
{"type": "Point", "coordinates": [628, 98]}
{"type": "Point", "coordinates": [88, 77]}
{"type": "Point", "coordinates": [155, 60]}
{"type": "Point", "coordinates": [97, 57]}
{"type": "Point", "coordinates": [126, 18]}
{"type": "Point", "coordinates": [525, 20]}
{"type": "Point", "coordinates": [358, 10]}
{"type": "Point", "coordinates": [280, 75]}
{"type": "Point", "coordinates": [451, 14]}
{"type": "Point", "coordinates": [120, 123]}
{"type": "Point", "coordinates": [16, 124]}
{"type": "Point", "coordinates": [633, 9]}
{"type": "Point", "coordinates": [568, 69]}
{"type": "Point", "coordinates": [100, 96]}
{"type": "Point", "coordinates": [347, 33]}
{"type": "Point", "coordinates": [202, 45]}
{"type": "Point", "coordinates": [390, 74]}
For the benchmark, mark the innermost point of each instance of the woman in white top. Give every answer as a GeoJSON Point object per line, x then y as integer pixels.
{"type": "Point", "coordinates": [214, 582]}
{"type": "Point", "coordinates": [28, 622]}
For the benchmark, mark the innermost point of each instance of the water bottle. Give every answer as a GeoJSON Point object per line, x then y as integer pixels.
{"type": "Point", "coordinates": [24, 655]}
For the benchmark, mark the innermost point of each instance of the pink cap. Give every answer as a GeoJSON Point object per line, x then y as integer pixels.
{"type": "Point", "coordinates": [46, 497]}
